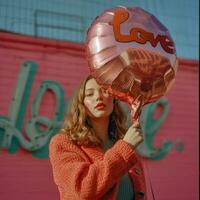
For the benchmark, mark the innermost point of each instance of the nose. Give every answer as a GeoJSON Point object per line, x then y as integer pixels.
{"type": "Point", "coordinates": [99, 96]}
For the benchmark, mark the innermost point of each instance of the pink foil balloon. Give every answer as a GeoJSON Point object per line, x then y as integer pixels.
{"type": "Point", "coordinates": [132, 55]}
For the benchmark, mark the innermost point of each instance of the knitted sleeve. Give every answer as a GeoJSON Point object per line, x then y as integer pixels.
{"type": "Point", "coordinates": [86, 180]}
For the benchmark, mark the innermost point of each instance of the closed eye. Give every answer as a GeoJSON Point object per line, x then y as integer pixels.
{"type": "Point", "coordinates": [89, 94]}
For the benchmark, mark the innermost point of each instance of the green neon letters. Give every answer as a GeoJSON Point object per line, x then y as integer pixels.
{"type": "Point", "coordinates": [11, 136]}
{"type": "Point", "coordinates": [10, 127]}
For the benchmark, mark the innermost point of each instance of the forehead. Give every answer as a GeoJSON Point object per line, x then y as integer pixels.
{"type": "Point", "coordinates": [91, 84]}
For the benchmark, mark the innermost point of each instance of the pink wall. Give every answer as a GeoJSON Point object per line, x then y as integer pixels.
{"type": "Point", "coordinates": [176, 176]}
{"type": "Point", "coordinates": [23, 176]}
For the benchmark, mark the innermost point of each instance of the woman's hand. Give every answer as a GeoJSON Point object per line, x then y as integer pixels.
{"type": "Point", "coordinates": [134, 135]}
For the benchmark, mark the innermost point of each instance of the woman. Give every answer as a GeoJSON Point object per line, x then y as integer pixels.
{"type": "Point", "coordinates": [93, 156]}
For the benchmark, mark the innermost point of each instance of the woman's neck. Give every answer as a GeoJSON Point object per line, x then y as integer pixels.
{"type": "Point", "coordinates": [100, 126]}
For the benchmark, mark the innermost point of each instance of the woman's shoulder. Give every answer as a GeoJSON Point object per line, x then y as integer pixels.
{"type": "Point", "coordinates": [60, 144]}
{"type": "Point", "coordinates": [60, 139]}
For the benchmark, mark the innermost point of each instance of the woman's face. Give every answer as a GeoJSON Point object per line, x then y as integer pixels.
{"type": "Point", "coordinates": [98, 103]}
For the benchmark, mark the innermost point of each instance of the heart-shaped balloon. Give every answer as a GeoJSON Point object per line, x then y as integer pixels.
{"type": "Point", "coordinates": [132, 55]}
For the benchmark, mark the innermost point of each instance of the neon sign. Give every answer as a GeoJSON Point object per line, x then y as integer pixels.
{"type": "Point", "coordinates": [11, 136]}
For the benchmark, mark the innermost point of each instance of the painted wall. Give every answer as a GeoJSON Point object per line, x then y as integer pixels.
{"type": "Point", "coordinates": [24, 176]}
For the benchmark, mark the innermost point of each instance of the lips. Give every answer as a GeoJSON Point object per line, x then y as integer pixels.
{"type": "Point", "coordinates": [100, 106]}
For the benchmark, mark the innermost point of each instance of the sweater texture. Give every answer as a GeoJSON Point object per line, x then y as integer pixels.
{"type": "Point", "coordinates": [89, 173]}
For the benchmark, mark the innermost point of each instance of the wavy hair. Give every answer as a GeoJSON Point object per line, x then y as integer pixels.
{"type": "Point", "coordinates": [77, 124]}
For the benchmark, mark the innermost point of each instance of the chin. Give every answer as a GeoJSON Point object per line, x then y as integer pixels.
{"type": "Point", "coordinates": [101, 114]}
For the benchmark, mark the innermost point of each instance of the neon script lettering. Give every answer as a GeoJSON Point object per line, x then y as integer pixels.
{"type": "Point", "coordinates": [138, 34]}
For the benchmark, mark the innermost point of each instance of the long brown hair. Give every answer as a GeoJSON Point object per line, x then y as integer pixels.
{"type": "Point", "coordinates": [77, 124]}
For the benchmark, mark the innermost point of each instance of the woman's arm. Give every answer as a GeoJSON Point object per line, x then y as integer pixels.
{"type": "Point", "coordinates": [71, 170]}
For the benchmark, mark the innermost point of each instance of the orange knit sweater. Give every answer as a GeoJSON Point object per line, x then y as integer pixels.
{"type": "Point", "coordinates": [87, 173]}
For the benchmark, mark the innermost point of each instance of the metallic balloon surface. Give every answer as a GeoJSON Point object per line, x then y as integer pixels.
{"type": "Point", "coordinates": [131, 54]}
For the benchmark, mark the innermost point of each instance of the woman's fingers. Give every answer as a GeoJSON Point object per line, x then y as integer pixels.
{"type": "Point", "coordinates": [134, 135]}
{"type": "Point", "coordinates": [136, 124]}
